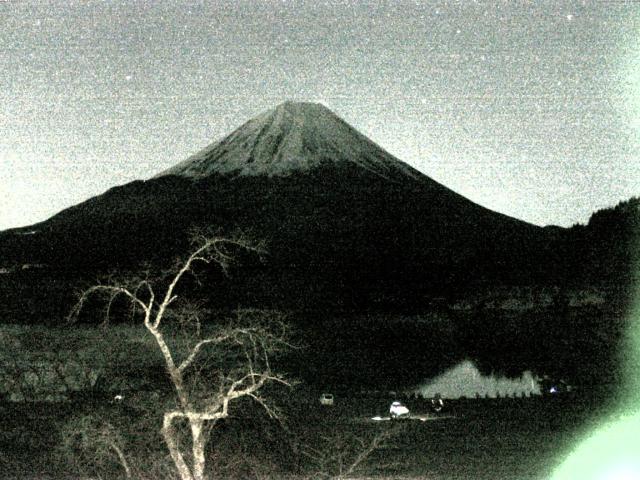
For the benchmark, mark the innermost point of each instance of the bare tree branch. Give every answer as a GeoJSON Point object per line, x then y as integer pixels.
{"type": "Point", "coordinates": [216, 369]}
{"type": "Point", "coordinates": [196, 349]}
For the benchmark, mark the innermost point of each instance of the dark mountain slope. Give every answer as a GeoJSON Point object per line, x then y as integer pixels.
{"type": "Point", "coordinates": [348, 225]}
{"type": "Point", "coordinates": [337, 236]}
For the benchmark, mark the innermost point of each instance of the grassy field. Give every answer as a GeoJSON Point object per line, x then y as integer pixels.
{"type": "Point", "coordinates": [509, 438]}
{"type": "Point", "coordinates": [473, 439]}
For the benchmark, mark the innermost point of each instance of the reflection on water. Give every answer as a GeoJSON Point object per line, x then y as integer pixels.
{"type": "Point", "coordinates": [465, 380]}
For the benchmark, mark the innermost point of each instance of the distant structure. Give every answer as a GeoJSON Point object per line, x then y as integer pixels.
{"type": "Point", "coordinates": [465, 380]}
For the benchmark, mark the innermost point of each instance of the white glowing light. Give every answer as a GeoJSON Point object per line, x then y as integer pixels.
{"type": "Point", "coordinates": [609, 453]}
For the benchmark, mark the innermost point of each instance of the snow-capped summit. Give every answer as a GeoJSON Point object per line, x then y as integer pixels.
{"type": "Point", "coordinates": [292, 137]}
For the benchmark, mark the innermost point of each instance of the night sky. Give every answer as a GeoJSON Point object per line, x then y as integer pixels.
{"type": "Point", "coordinates": [529, 109]}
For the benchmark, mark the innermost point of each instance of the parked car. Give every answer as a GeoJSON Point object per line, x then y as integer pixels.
{"type": "Point", "coordinates": [326, 399]}
{"type": "Point", "coordinates": [398, 410]}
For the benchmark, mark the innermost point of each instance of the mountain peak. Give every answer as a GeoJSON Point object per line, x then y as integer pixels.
{"type": "Point", "coordinates": [301, 107]}
{"type": "Point", "coordinates": [292, 137]}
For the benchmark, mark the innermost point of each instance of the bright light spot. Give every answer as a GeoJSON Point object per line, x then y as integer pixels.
{"type": "Point", "coordinates": [613, 452]}
{"type": "Point", "coordinates": [623, 472]}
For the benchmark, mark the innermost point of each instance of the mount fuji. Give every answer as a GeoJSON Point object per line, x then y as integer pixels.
{"type": "Point", "coordinates": [293, 137]}
{"type": "Point", "coordinates": [348, 225]}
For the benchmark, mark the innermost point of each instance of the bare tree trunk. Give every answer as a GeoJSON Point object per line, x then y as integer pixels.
{"type": "Point", "coordinates": [174, 450]}
{"type": "Point", "coordinates": [174, 372]}
{"type": "Point", "coordinates": [122, 458]}
{"type": "Point", "coordinates": [199, 442]}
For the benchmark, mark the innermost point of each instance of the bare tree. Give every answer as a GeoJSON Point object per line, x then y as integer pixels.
{"type": "Point", "coordinates": [210, 367]}
{"type": "Point", "coordinates": [89, 440]}
{"type": "Point", "coordinates": [340, 455]}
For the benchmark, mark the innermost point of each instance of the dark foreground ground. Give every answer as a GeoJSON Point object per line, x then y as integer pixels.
{"type": "Point", "coordinates": [521, 438]}
{"type": "Point", "coordinates": [481, 439]}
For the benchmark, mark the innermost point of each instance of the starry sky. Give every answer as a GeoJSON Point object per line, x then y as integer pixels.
{"type": "Point", "coordinates": [530, 109]}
